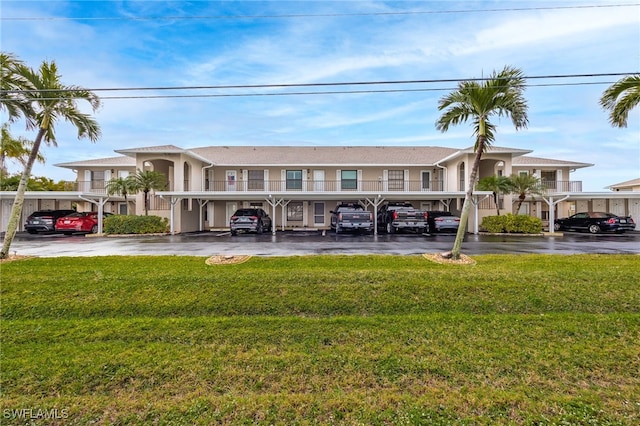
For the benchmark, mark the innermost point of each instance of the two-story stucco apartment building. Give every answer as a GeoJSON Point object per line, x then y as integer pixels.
{"type": "Point", "coordinates": [299, 185]}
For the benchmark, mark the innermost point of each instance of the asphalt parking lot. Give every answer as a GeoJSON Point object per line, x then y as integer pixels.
{"type": "Point", "coordinates": [289, 243]}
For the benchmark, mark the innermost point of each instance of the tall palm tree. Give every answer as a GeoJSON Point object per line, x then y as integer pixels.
{"type": "Point", "coordinates": [50, 101]}
{"type": "Point", "coordinates": [121, 186]}
{"type": "Point", "coordinates": [499, 95]}
{"type": "Point", "coordinates": [17, 149]}
{"type": "Point", "coordinates": [147, 181]}
{"type": "Point", "coordinates": [620, 98]}
{"type": "Point", "coordinates": [496, 184]}
{"type": "Point", "coordinates": [524, 186]}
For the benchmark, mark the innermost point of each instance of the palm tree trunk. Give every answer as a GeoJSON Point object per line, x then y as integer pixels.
{"type": "Point", "coordinates": [520, 201]}
{"type": "Point", "coordinates": [495, 201]}
{"type": "Point", "coordinates": [464, 216]}
{"type": "Point", "coordinates": [16, 209]}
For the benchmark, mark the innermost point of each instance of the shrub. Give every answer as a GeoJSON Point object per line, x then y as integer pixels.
{"type": "Point", "coordinates": [126, 224]}
{"type": "Point", "coordinates": [511, 223]}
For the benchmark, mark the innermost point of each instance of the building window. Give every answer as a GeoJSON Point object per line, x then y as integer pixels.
{"type": "Point", "coordinates": [548, 178]}
{"type": "Point", "coordinates": [349, 179]}
{"type": "Point", "coordinates": [294, 211]}
{"type": "Point", "coordinates": [97, 180]}
{"type": "Point", "coordinates": [396, 180]}
{"type": "Point", "coordinates": [256, 180]}
{"type": "Point", "coordinates": [186, 174]}
{"type": "Point", "coordinates": [294, 179]}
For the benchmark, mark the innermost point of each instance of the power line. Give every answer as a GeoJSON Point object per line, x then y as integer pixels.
{"type": "Point", "coordinates": [332, 92]}
{"type": "Point", "coordinates": [330, 84]}
{"type": "Point", "coordinates": [318, 15]}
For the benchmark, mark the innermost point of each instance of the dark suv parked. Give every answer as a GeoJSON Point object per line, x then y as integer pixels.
{"type": "Point", "coordinates": [44, 220]}
{"type": "Point", "coordinates": [250, 220]}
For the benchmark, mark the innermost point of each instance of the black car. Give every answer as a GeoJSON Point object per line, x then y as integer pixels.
{"type": "Point", "coordinates": [595, 222]}
{"type": "Point", "coordinates": [250, 220]}
{"type": "Point", "coordinates": [44, 220]}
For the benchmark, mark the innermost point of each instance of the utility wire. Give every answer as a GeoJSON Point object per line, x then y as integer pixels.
{"type": "Point", "coordinates": [333, 92]}
{"type": "Point", "coordinates": [335, 84]}
{"type": "Point", "coordinates": [318, 15]}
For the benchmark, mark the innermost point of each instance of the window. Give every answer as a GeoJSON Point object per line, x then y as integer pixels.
{"type": "Point", "coordinates": [396, 180]}
{"type": "Point", "coordinates": [256, 180]}
{"type": "Point", "coordinates": [187, 174]}
{"type": "Point", "coordinates": [97, 180]}
{"type": "Point", "coordinates": [548, 178]}
{"type": "Point", "coordinates": [349, 179]}
{"type": "Point", "coordinates": [294, 211]}
{"type": "Point", "coordinates": [294, 179]}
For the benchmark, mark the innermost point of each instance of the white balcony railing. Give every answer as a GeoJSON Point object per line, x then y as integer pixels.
{"type": "Point", "coordinates": [329, 186]}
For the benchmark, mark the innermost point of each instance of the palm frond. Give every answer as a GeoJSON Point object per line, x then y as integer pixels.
{"type": "Point", "coordinates": [620, 98]}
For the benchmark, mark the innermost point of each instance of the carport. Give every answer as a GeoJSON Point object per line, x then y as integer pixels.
{"type": "Point", "coordinates": [624, 203]}
{"type": "Point", "coordinates": [275, 199]}
{"type": "Point", "coordinates": [7, 199]}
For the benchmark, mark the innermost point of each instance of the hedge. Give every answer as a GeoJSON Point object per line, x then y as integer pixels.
{"type": "Point", "coordinates": [129, 224]}
{"type": "Point", "coordinates": [510, 223]}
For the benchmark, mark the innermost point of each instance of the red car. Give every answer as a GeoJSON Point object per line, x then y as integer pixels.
{"type": "Point", "coordinates": [79, 222]}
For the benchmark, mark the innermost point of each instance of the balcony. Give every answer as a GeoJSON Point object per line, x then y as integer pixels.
{"type": "Point", "coordinates": [324, 186]}
{"type": "Point", "coordinates": [562, 186]}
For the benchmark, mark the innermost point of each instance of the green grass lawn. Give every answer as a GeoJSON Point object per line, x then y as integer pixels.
{"type": "Point", "coordinates": [386, 340]}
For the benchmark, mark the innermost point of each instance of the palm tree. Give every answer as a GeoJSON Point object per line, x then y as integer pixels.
{"type": "Point", "coordinates": [121, 186]}
{"type": "Point", "coordinates": [12, 82]}
{"type": "Point", "coordinates": [525, 185]}
{"type": "Point", "coordinates": [620, 98]}
{"type": "Point", "coordinates": [496, 184]}
{"type": "Point", "coordinates": [499, 95]}
{"type": "Point", "coordinates": [147, 181]}
{"type": "Point", "coordinates": [18, 149]}
{"type": "Point", "coordinates": [50, 101]}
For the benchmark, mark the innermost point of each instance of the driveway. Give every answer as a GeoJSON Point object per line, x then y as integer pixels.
{"type": "Point", "coordinates": [311, 242]}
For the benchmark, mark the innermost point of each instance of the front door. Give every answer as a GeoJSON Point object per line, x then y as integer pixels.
{"type": "Point", "coordinates": [318, 213]}
{"type": "Point", "coordinates": [232, 180]}
{"type": "Point", "coordinates": [318, 180]}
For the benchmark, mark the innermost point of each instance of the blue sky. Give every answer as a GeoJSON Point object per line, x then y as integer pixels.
{"type": "Point", "coordinates": [128, 44]}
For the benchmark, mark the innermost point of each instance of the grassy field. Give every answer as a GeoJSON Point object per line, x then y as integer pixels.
{"type": "Point", "coordinates": [372, 340]}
